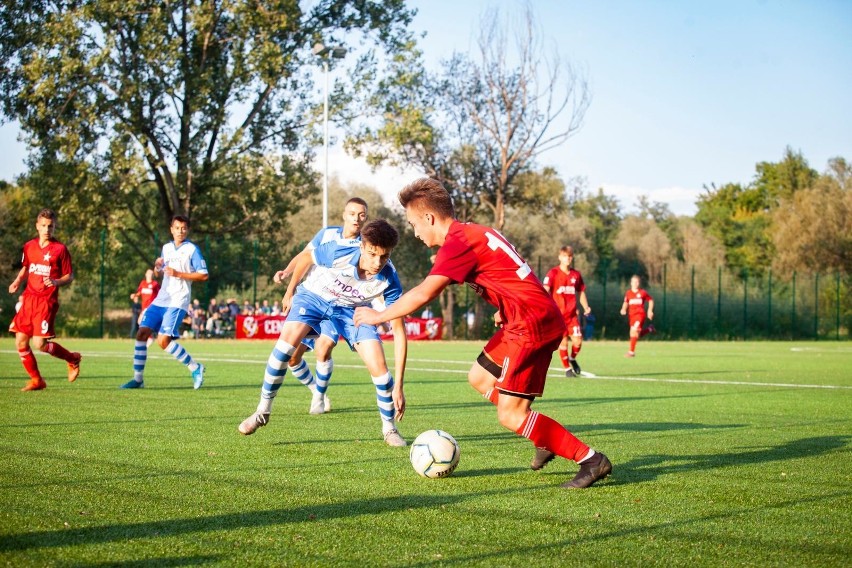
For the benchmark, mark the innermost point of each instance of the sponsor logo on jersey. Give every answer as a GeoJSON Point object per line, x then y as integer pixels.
{"type": "Point", "coordinates": [566, 290]}
{"type": "Point", "coordinates": [40, 269]}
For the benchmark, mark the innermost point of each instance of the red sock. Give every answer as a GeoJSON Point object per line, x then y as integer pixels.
{"type": "Point", "coordinates": [58, 351]}
{"type": "Point", "coordinates": [633, 341]}
{"type": "Point", "coordinates": [492, 395]}
{"type": "Point", "coordinates": [30, 365]}
{"type": "Point", "coordinates": [563, 355]}
{"type": "Point", "coordinates": [574, 350]}
{"type": "Point", "coordinates": [546, 432]}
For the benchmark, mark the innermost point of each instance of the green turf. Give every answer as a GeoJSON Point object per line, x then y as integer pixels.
{"type": "Point", "coordinates": [715, 463]}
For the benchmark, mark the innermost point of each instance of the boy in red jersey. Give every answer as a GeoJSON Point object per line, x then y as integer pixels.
{"type": "Point", "coordinates": [46, 267]}
{"type": "Point", "coordinates": [566, 286]}
{"type": "Point", "coordinates": [512, 368]}
{"type": "Point", "coordinates": [634, 308]}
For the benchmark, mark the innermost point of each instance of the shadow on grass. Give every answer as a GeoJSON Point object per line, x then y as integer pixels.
{"type": "Point", "coordinates": [649, 468]}
{"type": "Point", "coordinates": [165, 562]}
{"type": "Point", "coordinates": [230, 521]}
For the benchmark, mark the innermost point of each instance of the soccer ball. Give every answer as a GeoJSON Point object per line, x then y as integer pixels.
{"type": "Point", "coordinates": [434, 453]}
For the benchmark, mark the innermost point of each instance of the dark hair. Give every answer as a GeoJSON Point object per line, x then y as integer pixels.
{"type": "Point", "coordinates": [430, 194]}
{"type": "Point", "coordinates": [357, 200]}
{"type": "Point", "coordinates": [380, 233]}
{"type": "Point", "coordinates": [181, 218]}
{"type": "Point", "coordinates": [567, 250]}
{"type": "Point", "coordinates": [47, 214]}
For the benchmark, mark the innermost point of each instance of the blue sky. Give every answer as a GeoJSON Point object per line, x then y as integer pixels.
{"type": "Point", "coordinates": [684, 93]}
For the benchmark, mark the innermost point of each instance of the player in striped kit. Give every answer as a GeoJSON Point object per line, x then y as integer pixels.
{"type": "Point", "coordinates": [354, 217]}
{"type": "Point", "coordinates": [46, 267]}
{"type": "Point", "coordinates": [347, 274]}
{"type": "Point", "coordinates": [566, 286]}
{"type": "Point", "coordinates": [181, 264]}
{"type": "Point", "coordinates": [511, 371]}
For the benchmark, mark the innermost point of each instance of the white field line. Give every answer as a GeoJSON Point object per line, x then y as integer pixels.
{"type": "Point", "coordinates": [553, 372]}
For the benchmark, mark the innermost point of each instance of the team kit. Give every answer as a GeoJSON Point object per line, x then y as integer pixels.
{"type": "Point", "coordinates": [343, 285]}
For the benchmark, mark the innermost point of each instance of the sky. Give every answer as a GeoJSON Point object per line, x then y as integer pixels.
{"type": "Point", "coordinates": [685, 94]}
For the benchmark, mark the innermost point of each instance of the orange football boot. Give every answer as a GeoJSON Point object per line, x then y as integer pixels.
{"type": "Point", "coordinates": [74, 368]}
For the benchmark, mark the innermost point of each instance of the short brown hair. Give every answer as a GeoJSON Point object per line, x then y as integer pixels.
{"type": "Point", "coordinates": [47, 214]}
{"type": "Point", "coordinates": [181, 218]}
{"type": "Point", "coordinates": [380, 233]}
{"type": "Point", "coordinates": [357, 200]}
{"type": "Point", "coordinates": [428, 193]}
{"type": "Point", "coordinates": [567, 250]}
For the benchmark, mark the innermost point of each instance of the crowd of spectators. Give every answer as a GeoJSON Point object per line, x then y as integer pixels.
{"type": "Point", "coordinates": [219, 319]}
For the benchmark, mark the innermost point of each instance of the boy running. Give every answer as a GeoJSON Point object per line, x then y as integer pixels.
{"type": "Point", "coordinates": [46, 267]}
{"type": "Point", "coordinates": [512, 369]}
{"type": "Point", "coordinates": [348, 273]}
{"type": "Point", "coordinates": [634, 308]}
{"type": "Point", "coordinates": [354, 217]}
{"type": "Point", "coordinates": [182, 264]}
{"type": "Point", "coordinates": [566, 286]}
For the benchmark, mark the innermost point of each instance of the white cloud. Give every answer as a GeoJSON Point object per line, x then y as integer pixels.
{"type": "Point", "coordinates": [681, 200]}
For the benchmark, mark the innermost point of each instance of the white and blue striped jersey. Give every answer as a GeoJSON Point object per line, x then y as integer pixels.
{"type": "Point", "coordinates": [176, 292]}
{"type": "Point", "coordinates": [335, 276]}
{"type": "Point", "coordinates": [326, 235]}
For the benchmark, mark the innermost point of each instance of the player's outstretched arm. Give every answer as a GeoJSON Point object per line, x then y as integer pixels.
{"type": "Point", "coordinates": [409, 302]}
{"type": "Point", "coordinates": [400, 354]}
{"type": "Point", "coordinates": [282, 275]}
{"type": "Point", "coordinates": [650, 309]}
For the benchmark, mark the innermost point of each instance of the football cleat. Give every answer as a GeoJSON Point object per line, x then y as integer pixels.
{"type": "Point", "coordinates": [393, 438]}
{"type": "Point", "coordinates": [74, 367]}
{"type": "Point", "coordinates": [198, 377]}
{"type": "Point", "coordinates": [252, 423]}
{"type": "Point", "coordinates": [569, 372]}
{"type": "Point", "coordinates": [317, 403]}
{"type": "Point", "coordinates": [630, 354]}
{"type": "Point", "coordinates": [575, 366]}
{"type": "Point", "coordinates": [650, 329]}
{"type": "Point", "coordinates": [596, 467]}
{"type": "Point", "coordinates": [35, 385]}
{"type": "Point", "coordinates": [133, 384]}
{"type": "Point", "coordinates": [326, 402]}
{"type": "Point", "coordinates": [543, 456]}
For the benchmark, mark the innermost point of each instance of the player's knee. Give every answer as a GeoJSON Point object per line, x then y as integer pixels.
{"type": "Point", "coordinates": [510, 418]}
{"type": "Point", "coordinates": [163, 341]}
{"type": "Point", "coordinates": [40, 343]}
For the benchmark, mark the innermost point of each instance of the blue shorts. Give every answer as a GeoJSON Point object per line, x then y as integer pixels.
{"type": "Point", "coordinates": [327, 329]}
{"type": "Point", "coordinates": [163, 320]}
{"type": "Point", "coordinates": [310, 309]}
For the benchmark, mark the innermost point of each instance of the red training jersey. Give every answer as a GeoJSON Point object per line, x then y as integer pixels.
{"type": "Point", "coordinates": [483, 258]}
{"type": "Point", "coordinates": [147, 292]}
{"type": "Point", "coordinates": [52, 260]}
{"type": "Point", "coordinates": [636, 302]}
{"type": "Point", "coordinates": [564, 288]}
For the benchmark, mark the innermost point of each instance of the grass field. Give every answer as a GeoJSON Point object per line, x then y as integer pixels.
{"type": "Point", "coordinates": [725, 454]}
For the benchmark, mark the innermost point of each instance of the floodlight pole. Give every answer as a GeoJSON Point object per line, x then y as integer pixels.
{"type": "Point", "coordinates": [325, 52]}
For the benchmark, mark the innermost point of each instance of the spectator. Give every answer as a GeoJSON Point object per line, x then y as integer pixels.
{"type": "Point", "coordinates": [276, 308]}
{"type": "Point", "coordinates": [214, 319]}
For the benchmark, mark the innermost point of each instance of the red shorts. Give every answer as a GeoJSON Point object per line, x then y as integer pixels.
{"type": "Point", "coordinates": [524, 362]}
{"type": "Point", "coordinates": [572, 326]}
{"type": "Point", "coordinates": [36, 316]}
{"type": "Point", "coordinates": [637, 321]}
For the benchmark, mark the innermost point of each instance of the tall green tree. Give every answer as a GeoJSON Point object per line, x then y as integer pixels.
{"type": "Point", "coordinates": [141, 109]}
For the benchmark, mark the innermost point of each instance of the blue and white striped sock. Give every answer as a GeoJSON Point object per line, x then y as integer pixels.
{"type": "Point", "coordinates": [276, 368]}
{"type": "Point", "coordinates": [303, 374]}
{"type": "Point", "coordinates": [140, 356]}
{"type": "Point", "coordinates": [384, 400]}
{"type": "Point", "coordinates": [324, 371]}
{"type": "Point", "coordinates": [178, 352]}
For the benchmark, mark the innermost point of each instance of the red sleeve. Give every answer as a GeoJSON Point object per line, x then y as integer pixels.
{"type": "Point", "coordinates": [456, 259]}
{"type": "Point", "coordinates": [550, 277]}
{"type": "Point", "coordinates": [646, 296]}
{"type": "Point", "coordinates": [580, 286]}
{"type": "Point", "coordinates": [65, 262]}
{"type": "Point", "coordinates": [139, 288]}
{"type": "Point", "coordinates": [155, 289]}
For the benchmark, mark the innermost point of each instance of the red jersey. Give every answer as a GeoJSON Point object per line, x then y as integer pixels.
{"type": "Point", "coordinates": [636, 302]}
{"type": "Point", "coordinates": [147, 292]}
{"type": "Point", "coordinates": [564, 288]}
{"type": "Point", "coordinates": [52, 260]}
{"type": "Point", "coordinates": [482, 257]}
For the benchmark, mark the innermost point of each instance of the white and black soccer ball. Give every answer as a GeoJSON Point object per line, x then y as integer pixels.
{"type": "Point", "coordinates": [434, 453]}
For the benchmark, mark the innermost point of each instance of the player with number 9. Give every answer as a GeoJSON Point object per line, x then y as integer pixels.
{"type": "Point", "coordinates": [46, 267]}
{"type": "Point", "coordinates": [512, 369]}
